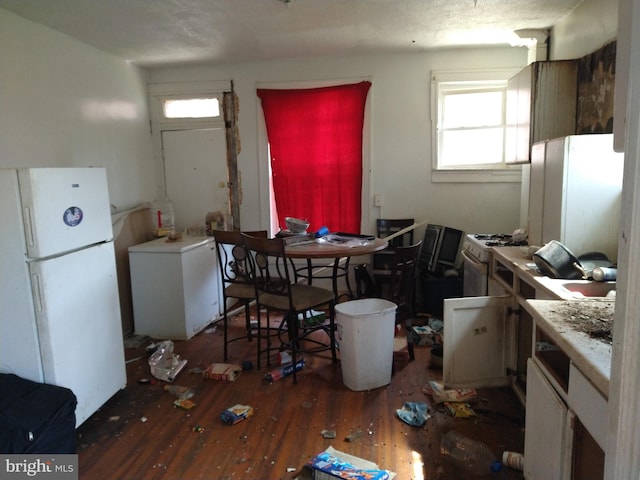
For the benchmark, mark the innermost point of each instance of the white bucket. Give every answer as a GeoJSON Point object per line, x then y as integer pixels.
{"type": "Point", "coordinates": [365, 337]}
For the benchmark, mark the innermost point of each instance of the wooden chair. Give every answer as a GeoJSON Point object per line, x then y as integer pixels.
{"type": "Point", "coordinates": [237, 283]}
{"type": "Point", "coordinates": [275, 290]}
{"type": "Point", "coordinates": [402, 286]}
{"type": "Point", "coordinates": [382, 260]}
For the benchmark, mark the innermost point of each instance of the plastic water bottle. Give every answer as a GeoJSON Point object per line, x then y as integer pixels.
{"type": "Point", "coordinates": [322, 231]}
{"type": "Point", "coordinates": [162, 217]}
{"type": "Point", "coordinates": [471, 455]}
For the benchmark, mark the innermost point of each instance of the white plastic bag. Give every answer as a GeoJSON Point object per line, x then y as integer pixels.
{"type": "Point", "coordinates": [164, 364]}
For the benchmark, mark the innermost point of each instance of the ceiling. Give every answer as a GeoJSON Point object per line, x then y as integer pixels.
{"type": "Point", "coordinates": [154, 33]}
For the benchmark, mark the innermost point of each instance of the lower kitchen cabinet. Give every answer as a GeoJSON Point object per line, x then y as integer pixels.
{"type": "Point", "coordinates": [494, 332]}
{"type": "Point", "coordinates": [545, 436]}
{"type": "Point", "coordinates": [561, 377]}
{"type": "Point", "coordinates": [566, 418]}
{"type": "Point", "coordinates": [477, 345]}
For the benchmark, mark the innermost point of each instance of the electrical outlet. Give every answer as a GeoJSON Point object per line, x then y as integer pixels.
{"type": "Point", "coordinates": [377, 200]}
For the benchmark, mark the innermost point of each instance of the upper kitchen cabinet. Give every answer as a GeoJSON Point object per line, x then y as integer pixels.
{"type": "Point", "coordinates": [541, 104]}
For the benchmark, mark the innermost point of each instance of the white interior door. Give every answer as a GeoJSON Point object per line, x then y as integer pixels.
{"type": "Point", "coordinates": [196, 173]}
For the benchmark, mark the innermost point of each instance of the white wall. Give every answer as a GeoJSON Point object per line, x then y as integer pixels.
{"type": "Point", "coordinates": [399, 103]}
{"type": "Point", "coordinates": [63, 103]}
{"type": "Point", "coordinates": [67, 104]}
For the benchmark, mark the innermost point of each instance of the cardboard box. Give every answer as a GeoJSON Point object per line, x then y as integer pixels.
{"type": "Point", "coordinates": [235, 414]}
{"type": "Point", "coordinates": [423, 335]}
{"type": "Point", "coordinates": [222, 371]}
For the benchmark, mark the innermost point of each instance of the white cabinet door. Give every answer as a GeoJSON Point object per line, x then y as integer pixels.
{"type": "Point", "coordinates": [476, 344]}
{"type": "Point", "coordinates": [545, 432]}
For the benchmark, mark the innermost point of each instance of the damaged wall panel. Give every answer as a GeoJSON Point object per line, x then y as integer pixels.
{"type": "Point", "coordinates": [596, 86]}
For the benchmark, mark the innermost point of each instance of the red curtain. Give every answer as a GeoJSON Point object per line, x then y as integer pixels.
{"type": "Point", "coordinates": [315, 140]}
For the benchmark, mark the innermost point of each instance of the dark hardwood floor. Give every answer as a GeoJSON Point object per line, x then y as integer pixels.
{"type": "Point", "coordinates": [139, 434]}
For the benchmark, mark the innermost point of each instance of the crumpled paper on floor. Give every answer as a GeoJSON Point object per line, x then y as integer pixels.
{"type": "Point", "coordinates": [414, 413]}
{"type": "Point", "coordinates": [440, 394]}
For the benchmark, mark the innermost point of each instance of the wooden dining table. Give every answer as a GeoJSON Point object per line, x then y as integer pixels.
{"type": "Point", "coordinates": [339, 253]}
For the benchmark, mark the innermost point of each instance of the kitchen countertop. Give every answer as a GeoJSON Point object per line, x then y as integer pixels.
{"type": "Point", "coordinates": [516, 256]}
{"type": "Point", "coordinates": [549, 288]}
{"type": "Point", "coordinates": [525, 268]}
{"type": "Point", "coordinates": [556, 317]}
{"type": "Point", "coordinates": [591, 356]}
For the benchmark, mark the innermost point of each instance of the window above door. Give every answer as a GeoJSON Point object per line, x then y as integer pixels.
{"type": "Point", "coordinates": [188, 105]}
{"type": "Point", "coordinates": [177, 108]}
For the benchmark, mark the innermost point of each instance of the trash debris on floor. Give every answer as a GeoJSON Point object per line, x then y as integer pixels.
{"type": "Point", "coordinates": [183, 393]}
{"type": "Point", "coordinates": [441, 395]}
{"type": "Point", "coordinates": [184, 404]}
{"type": "Point", "coordinates": [311, 318]}
{"type": "Point", "coordinates": [513, 460]}
{"type": "Point", "coordinates": [164, 364]}
{"type": "Point", "coordinates": [284, 371]}
{"type": "Point", "coordinates": [414, 413]}
{"type": "Point", "coordinates": [423, 335]}
{"type": "Point", "coordinates": [468, 454]}
{"type": "Point", "coordinates": [222, 371]}
{"type": "Point", "coordinates": [284, 358]}
{"type": "Point", "coordinates": [332, 464]}
{"type": "Point", "coordinates": [247, 365]}
{"type": "Point", "coordinates": [235, 414]}
{"type": "Point", "coordinates": [353, 436]}
{"type": "Point", "coordinates": [144, 413]}
{"type": "Point", "coordinates": [459, 409]}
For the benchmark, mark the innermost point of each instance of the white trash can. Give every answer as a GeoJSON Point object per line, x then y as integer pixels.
{"type": "Point", "coordinates": [366, 329]}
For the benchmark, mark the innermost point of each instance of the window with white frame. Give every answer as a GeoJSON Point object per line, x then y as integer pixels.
{"type": "Point", "coordinates": [469, 122]}
{"type": "Point", "coordinates": [191, 107]}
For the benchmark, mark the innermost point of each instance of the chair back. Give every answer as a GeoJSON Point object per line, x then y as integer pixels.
{"type": "Point", "coordinates": [389, 226]}
{"type": "Point", "coordinates": [233, 258]}
{"type": "Point", "coordinates": [270, 269]}
{"type": "Point", "coordinates": [402, 282]}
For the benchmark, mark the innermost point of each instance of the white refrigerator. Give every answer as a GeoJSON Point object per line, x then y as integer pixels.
{"type": "Point", "coordinates": [575, 193]}
{"type": "Point", "coordinates": [60, 317]}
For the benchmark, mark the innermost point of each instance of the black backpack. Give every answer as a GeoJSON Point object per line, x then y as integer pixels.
{"type": "Point", "coordinates": [36, 417]}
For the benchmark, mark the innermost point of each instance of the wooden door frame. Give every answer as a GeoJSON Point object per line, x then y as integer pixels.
{"type": "Point", "coordinates": [223, 90]}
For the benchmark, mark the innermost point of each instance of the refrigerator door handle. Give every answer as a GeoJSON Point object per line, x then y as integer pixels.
{"type": "Point", "coordinates": [37, 293]}
{"type": "Point", "coordinates": [29, 226]}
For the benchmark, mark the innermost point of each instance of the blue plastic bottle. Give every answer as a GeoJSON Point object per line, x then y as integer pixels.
{"type": "Point", "coordinates": [322, 232]}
